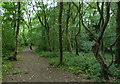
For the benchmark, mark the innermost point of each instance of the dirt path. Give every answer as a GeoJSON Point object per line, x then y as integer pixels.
{"type": "Point", "coordinates": [33, 68]}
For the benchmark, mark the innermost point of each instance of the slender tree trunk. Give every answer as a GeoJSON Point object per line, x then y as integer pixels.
{"type": "Point", "coordinates": [14, 26]}
{"type": "Point", "coordinates": [117, 57]}
{"type": "Point", "coordinates": [30, 31]}
{"type": "Point", "coordinates": [73, 33]}
{"type": "Point", "coordinates": [48, 38]}
{"type": "Point", "coordinates": [100, 24]}
{"type": "Point", "coordinates": [31, 48]}
{"type": "Point", "coordinates": [17, 32]}
{"type": "Point", "coordinates": [47, 29]}
{"type": "Point", "coordinates": [23, 35]}
{"type": "Point", "coordinates": [67, 31]}
{"type": "Point", "coordinates": [60, 31]}
{"type": "Point", "coordinates": [76, 35]}
{"type": "Point", "coordinates": [76, 45]}
{"type": "Point", "coordinates": [54, 20]}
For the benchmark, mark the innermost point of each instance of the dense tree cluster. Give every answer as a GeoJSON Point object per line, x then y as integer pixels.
{"type": "Point", "coordinates": [63, 26]}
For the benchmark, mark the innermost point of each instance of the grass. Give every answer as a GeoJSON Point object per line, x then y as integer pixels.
{"type": "Point", "coordinates": [84, 64]}
{"type": "Point", "coordinates": [7, 65]}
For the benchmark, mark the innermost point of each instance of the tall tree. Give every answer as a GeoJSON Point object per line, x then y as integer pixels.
{"type": "Point", "coordinates": [117, 57]}
{"type": "Point", "coordinates": [79, 24]}
{"type": "Point", "coordinates": [30, 31]}
{"type": "Point", "coordinates": [97, 45]}
{"type": "Point", "coordinates": [67, 30]}
{"type": "Point", "coordinates": [60, 31]}
{"type": "Point", "coordinates": [17, 32]}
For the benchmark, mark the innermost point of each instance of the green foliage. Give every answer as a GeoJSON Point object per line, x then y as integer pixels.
{"type": "Point", "coordinates": [14, 73]}
{"type": "Point", "coordinates": [115, 72]}
{"type": "Point", "coordinates": [8, 40]}
{"type": "Point", "coordinates": [45, 36]}
{"type": "Point", "coordinates": [6, 66]}
{"type": "Point", "coordinates": [84, 64]}
{"type": "Point", "coordinates": [49, 54]}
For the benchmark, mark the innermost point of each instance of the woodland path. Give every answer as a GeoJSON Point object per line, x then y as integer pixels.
{"type": "Point", "coordinates": [34, 68]}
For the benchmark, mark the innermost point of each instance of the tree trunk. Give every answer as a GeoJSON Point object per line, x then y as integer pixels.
{"type": "Point", "coordinates": [48, 38]}
{"type": "Point", "coordinates": [47, 28]}
{"type": "Point", "coordinates": [100, 24]}
{"type": "Point", "coordinates": [76, 45]}
{"type": "Point", "coordinates": [76, 35]}
{"type": "Point", "coordinates": [117, 57]}
{"type": "Point", "coordinates": [60, 31]}
{"type": "Point", "coordinates": [97, 45]}
{"type": "Point", "coordinates": [30, 30]}
{"type": "Point", "coordinates": [100, 60]}
{"type": "Point", "coordinates": [76, 41]}
{"type": "Point", "coordinates": [17, 32]}
{"type": "Point", "coordinates": [23, 35]}
{"type": "Point", "coordinates": [67, 31]}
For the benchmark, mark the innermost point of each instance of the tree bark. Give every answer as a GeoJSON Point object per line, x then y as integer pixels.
{"type": "Point", "coordinates": [117, 57]}
{"type": "Point", "coordinates": [60, 31]}
{"type": "Point", "coordinates": [17, 32]}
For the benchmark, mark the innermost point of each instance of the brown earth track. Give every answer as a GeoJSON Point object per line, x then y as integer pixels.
{"type": "Point", "coordinates": [34, 68]}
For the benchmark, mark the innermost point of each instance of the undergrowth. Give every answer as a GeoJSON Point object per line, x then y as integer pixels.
{"type": "Point", "coordinates": [85, 64]}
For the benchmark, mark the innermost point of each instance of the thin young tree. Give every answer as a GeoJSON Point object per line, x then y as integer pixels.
{"type": "Point", "coordinates": [60, 31]}
{"type": "Point", "coordinates": [79, 24]}
{"type": "Point", "coordinates": [67, 30]}
{"type": "Point", "coordinates": [17, 32]}
{"type": "Point", "coordinates": [117, 57]}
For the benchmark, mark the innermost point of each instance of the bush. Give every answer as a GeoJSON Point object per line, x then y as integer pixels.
{"type": "Point", "coordinates": [115, 72]}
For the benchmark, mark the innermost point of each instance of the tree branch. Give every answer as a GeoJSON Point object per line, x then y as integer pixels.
{"type": "Point", "coordinates": [89, 31]}
{"type": "Point", "coordinates": [111, 46]}
{"type": "Point", "coordinates": [106, 22]}
{"type": "Point", "coordinates": [100, 11]}
{"type": "Point", "coordinates": [38, 16]}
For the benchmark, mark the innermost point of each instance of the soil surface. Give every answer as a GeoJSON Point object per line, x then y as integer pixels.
{"type": "Point", "coordinates": [34, 68]}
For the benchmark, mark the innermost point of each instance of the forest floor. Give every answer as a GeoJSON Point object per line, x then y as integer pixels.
{"type": "Point", "coordinates": [34, 68]}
